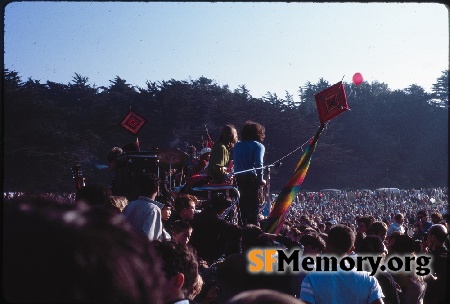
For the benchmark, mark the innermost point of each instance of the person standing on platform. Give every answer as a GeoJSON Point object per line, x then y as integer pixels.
{"type": "Point", "coordinates": [220, 154]}
{"type": "Point", "coordinates": [249, 154]}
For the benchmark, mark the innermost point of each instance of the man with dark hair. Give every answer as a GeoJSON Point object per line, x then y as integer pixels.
{"type": "Point", "coordinates": [181, 268]}
{"type": "Point", "coordinates": [436, 218]}
{"type": "Point", "coordinates": [144, 214]}
{"type": "Point", "coordinates": [437, 287]}
{"type": "Point", "coordinates": [362, 223]}
{"type": "Point", "coordinates": [248, 155]}
{"type": "Point", "coordinates": [181, 232]}
{"type": "Point", "coordinates": [340, 241]}
{"type": "Point", "coordinates": [250, 234]}
{"type": "Point", "coordinates": [75, 253]}
{"type": "Point", "coordinates": [166, 211]}
{"type": "Point", "coordinates": [373, 246]}
{"type": "Point", "coordinates": [379, 229]}
{"type": "Point", "coordinates": [347, 286]}
{"type": "Point", "coordinates": [313, 245]}
{"type": "Point", "coordinates": [184, 209]}
{"type": "Point", "coordinates": [185, 206]}
{"type": "Point", "coordinates": [213, 236]}
{"type": "Point", "coordinates": [232, 272]}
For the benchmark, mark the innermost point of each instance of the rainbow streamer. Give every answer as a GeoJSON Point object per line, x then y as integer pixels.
{"type": "Point", "coordinates": [290, 190]}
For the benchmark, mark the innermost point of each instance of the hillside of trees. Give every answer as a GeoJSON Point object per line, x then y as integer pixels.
{"type": "Point", "coordinates": [389, 138]}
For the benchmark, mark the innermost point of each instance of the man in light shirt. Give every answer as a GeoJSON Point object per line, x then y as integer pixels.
{"type": "Point", "coordinates": [397, 225]}
{"type": "Point", "coordinates": [339, 286]}
{"type": "Point", "coordinates": [144, 214]}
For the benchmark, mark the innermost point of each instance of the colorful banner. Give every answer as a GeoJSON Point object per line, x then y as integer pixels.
{"type": "Point", "coordinates": [290, 190]}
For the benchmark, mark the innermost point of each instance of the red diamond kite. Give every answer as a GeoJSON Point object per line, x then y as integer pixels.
{"type": "Point", "coordinates": [133, 122]}
{"type": "Point", "coordinates": [331, 102]}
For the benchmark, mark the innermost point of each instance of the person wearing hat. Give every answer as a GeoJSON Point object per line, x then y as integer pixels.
{"type": "Point", "coordinates": [202, 163]}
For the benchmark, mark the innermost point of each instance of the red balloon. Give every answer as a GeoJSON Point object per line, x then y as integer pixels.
{"type": "Point", "coordinates": [358, 78]}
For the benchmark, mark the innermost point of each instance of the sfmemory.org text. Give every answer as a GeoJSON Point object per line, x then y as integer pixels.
{"type": "Point", "coordinates": [263, 260]}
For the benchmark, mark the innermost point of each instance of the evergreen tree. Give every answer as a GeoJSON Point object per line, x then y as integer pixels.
{"type": "Point", "coordinates": [440, 89]}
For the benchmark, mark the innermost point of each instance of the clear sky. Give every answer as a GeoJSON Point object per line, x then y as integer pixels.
{"type": "Point", "coordinates": [266, 46]}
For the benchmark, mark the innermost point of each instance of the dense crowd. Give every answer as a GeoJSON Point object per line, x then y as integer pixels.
{"type": "Point", "coordinates": [93, 246]}
{"type": "Point", "coordinates": [345, 207]}
{"type": "Point", "coordinates": [342, 206]}
{"type": "Point", "coordinates": [67, 197]}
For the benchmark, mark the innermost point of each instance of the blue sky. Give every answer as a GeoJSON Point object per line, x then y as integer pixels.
{"type": "Point", "coordinates": [266, 46]}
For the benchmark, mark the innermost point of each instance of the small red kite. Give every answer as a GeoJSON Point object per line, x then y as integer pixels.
{"type": "Point", "coordinates": [331, 102]}
{"type": "Point", "coordinates": [133, 122]}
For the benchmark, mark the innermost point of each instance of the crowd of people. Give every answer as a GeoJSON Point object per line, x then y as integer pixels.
{"type": "Point", "coordinates": [346, 207]}
{"type": "Point", "coordinates": [196, 256]}
{"type": "Point", "coordinates": [99, 246]}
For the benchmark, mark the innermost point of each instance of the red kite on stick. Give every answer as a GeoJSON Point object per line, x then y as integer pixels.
{"type": "Point", "coordinates": [133, 122]}
{"type": "Point", "coordinates": [331, 102]}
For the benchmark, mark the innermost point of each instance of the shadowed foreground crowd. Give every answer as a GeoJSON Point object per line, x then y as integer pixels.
{"type": "Point", "coordinates": [104, 249]}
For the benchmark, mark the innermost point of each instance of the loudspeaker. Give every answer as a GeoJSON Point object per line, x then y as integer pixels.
{"type": "Point", "coordinates": [130, 166]}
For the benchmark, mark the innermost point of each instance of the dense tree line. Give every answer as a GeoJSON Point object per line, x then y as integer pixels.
{"type": "Point", "coordinates": [389, 138]}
